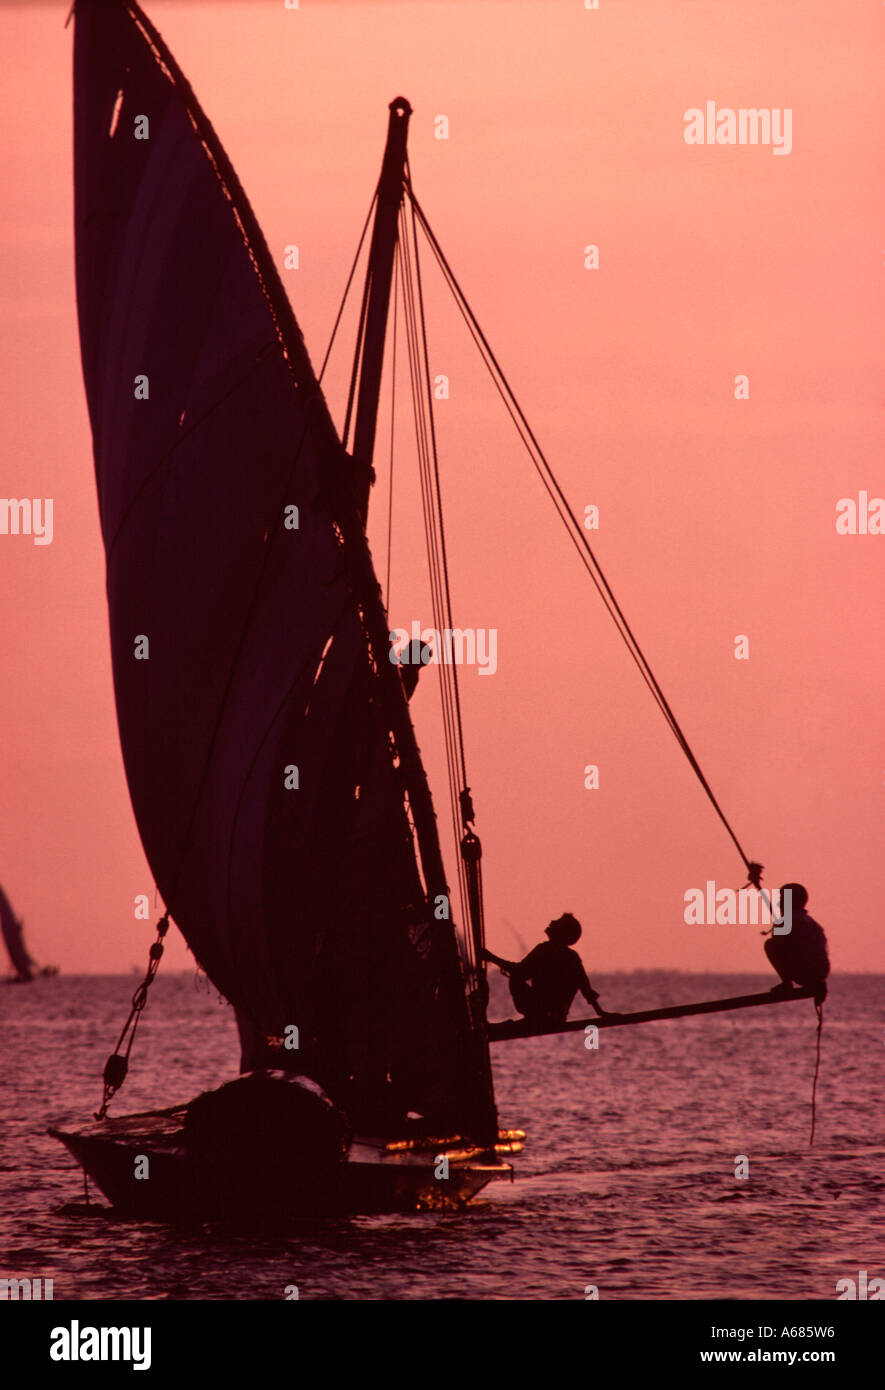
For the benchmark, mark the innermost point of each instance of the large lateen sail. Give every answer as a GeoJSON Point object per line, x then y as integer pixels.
{"type": "Point", "coordinates": [13, 939]}
{"type": "Point", "coordinates": [256, 730]}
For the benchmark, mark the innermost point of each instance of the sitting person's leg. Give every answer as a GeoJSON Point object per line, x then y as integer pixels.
{"type": "Point", "coordinates": [523, 996]}
{"type": "Point", "coordinates": [779, 953]}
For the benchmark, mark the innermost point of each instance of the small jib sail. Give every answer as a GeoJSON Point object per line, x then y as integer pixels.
{"type": "Point", "coordinates": [13, 939]}
{"type": "Point", "coordinates": [268, 748]}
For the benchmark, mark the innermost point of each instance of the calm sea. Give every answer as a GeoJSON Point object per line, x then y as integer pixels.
{"type": "Point", "coordinates": [627, 1181]}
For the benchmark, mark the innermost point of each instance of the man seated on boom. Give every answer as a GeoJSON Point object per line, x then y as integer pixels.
{"type": "Point", "coordinates": [801, 953]}
{"type": "Point", "coordinates": [545, 983]}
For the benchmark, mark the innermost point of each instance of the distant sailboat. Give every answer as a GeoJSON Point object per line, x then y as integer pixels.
{"type": "Point", "coordinates": [12, 929]}
{"type": "Point", "coordinates": [269, 747]}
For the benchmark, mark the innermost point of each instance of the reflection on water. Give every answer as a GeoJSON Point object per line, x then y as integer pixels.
{"type": "Point", "coordinates": [627, 1181]}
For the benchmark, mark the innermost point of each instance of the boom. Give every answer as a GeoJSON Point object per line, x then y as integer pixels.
{"type": "Point", "coordinates": [512, 1028]}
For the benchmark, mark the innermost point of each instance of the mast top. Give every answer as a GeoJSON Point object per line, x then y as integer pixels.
{"type": "Point", "coordinates": [379, 277]}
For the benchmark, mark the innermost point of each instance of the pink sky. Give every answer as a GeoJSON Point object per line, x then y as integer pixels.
{"type": "Point", "coordinates": [717, 516]}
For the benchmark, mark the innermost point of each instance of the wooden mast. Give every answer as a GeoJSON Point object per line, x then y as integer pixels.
{"type": "Point", "coordinates": [378, 281]}
{"type": "Point", "coordinates": [369, 365]}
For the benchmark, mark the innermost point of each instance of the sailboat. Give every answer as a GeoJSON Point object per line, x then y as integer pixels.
{"type": "Point", "coordinates": [12, 930]}
{"type": "Point", "coordinates": [270, 753]}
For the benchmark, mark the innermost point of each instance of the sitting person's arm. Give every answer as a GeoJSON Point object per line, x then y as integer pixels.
{"type": "Point", "coordinates": [591, 995]}
{"type": "Point", "coordinates": [506, 965]}
{"type": "Point", "coordinates": [522, 969]}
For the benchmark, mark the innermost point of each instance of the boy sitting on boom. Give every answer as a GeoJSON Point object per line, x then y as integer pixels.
{"type": "Point", "coordinates": [544, 984]}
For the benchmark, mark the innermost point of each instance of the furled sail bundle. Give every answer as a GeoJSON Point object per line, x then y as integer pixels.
{"type": "Point", "coordinates": [258, 726]}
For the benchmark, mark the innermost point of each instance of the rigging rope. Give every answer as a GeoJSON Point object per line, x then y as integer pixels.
{"type": "Point", "coordinates": [361, 329]}
{"type": "Point", "coordinates": [819, 1008]}
{"type": "Point", "coordinates": [440, 592]}
{"type": "Point", "coordinates": [470, 849]}
{"type": "Point", "coordinates": [438, 493]}
{"type": "Point", "coordinates": [117, 1065]}
{"type": "Point", "coordinates": [392, 430]}
{"type": "Point", "coordinates": [574, 528]}
{"type": "Point", "coordinates": [353, 267]}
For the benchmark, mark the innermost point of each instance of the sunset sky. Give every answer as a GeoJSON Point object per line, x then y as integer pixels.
{"type": "Point", "coordinates": [717, 515]}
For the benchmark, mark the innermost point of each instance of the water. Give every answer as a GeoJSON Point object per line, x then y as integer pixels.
{"type": "Point", "coordinates": [627, 1181]}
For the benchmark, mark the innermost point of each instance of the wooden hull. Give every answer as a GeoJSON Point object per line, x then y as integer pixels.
{"type": "Point", "coordinates": [180, 1185]}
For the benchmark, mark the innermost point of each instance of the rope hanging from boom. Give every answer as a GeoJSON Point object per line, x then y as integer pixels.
{"type": "Point", "coordinates": [820, 1028]}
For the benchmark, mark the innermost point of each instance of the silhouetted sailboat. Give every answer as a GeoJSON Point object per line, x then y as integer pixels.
{"type": "Point", "coordinates": [269, 749]}
{"type": "Point", "coordinates": [14, 941]}
{"type": "Point", "coordinates": [12, 930]}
